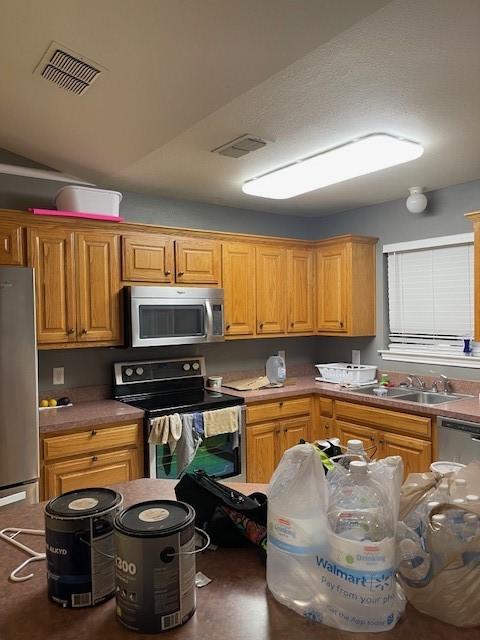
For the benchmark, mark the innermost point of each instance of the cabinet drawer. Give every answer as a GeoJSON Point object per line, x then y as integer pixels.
{"type": "Point", "coordinates": [326, 407]}
{"type": "Point", "coordinates": [279, 409]}
{"type": "Point", "coordinates": [100, 470]}
{"type": "Point", "coordinates": [89, 441]}
{"type": "Point", "coordinates": [384, 419]}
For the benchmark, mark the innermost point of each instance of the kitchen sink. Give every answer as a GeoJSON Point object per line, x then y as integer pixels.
{"type": "Point", "coordinates": [387, 392]}
{"type": "Point", "coordinates": [426, 397]}
{"type": "Point", "coordinates": [410, 395]}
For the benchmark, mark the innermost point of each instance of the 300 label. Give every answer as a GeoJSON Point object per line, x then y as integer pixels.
{"type": "Point", "coordinates": [126, 567]}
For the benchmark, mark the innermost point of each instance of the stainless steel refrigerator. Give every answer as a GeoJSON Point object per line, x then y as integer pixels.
{"type": "Point", "coordinates": [19, 456]}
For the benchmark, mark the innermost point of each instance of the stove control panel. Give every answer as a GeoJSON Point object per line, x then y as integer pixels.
{"type": "Point", "coordinates": [153, 370]}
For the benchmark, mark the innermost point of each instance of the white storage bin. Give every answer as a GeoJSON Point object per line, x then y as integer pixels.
{"type": "Point", "coordinates": [342, 372]}
{"type": "Point", "coordinates": [88, 200]}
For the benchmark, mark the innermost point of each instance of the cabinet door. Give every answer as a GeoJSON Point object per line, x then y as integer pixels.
{"type": "Point", "coordinates": [100, 470]}
{"type": "Point", "coordinates": [292, 431]}
{"type": "Point", "coordinates": [416, 454]}
{"type": "Point", "coordinates": [239, 288]}
{"type": "Point", "coordinates": [98, 281]}
{"type": "Point", "coordinates": [347, 431]}
{"type": "Point", "coordinates": [300, 277]}
{"type": "Point", "coordinates": [148, 258]}
{"type": "Point", "coordinates": [262, 451]}
{"type": "Point", "coordinates": [271, 289]}
{"type": "Point", "coordinates": [331, 288]}
{"type": "Point", "coordinates": [51, 253]}
{"type": "Point", "coordinates": [198, 261]}
{"type": "Point", "coordinates": [11, 244]}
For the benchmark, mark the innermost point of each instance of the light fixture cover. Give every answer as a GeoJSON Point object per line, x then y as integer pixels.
{"type": "Point", "coordinates": [417, 200]}
{"type": "Point", "coordinates": [357, 158]}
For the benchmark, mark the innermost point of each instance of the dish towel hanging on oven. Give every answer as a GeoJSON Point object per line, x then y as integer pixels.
{"type": "Point", "coordinates": [221, 421]}
{"type": "Point", "coordinates": [166, 429]}
{"type": "Point", "coordinates": [188, 444]}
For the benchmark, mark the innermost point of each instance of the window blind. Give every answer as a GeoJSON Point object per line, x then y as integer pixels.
{"type": "Point", "coordinates": [430, 297]}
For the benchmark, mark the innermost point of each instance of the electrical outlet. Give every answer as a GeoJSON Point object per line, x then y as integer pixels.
{"type": "Point", "coordinates": [355, 356]}
{"type": "Point", "coordinates": [58, 375]}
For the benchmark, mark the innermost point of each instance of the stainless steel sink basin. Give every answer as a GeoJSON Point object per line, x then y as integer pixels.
{"type": "Point", "coordinates": [391, 392]}
{"type": "Point", "coordinates": [426, 397]}
{"type": "Point", "coordinates": [410, 395]}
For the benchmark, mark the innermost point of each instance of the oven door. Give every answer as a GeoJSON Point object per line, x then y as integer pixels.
{"type": "Point", "coordinates": [217, 456]}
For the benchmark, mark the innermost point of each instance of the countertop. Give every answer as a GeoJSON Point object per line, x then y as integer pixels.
{"type": "Point", "coordinates": [86, 414]}
{"type": "Point", "coordinates": [464, 409]}
{"type": "Point", "coordinates": [236, 605]}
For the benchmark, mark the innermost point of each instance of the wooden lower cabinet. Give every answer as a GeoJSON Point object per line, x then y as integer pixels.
{"type": "Point", "coordinates": [415, 453]}
{"type": "Point", "coordinates": [99, 470]}
{"type": "Point", "coordinates": [93, 457]}
{"type": "Point", "coordinates": [347, 431]}
{"type": "Point", "coordinates": [268, 441]}
{"type": "Point", "coordinates": [262, 451]}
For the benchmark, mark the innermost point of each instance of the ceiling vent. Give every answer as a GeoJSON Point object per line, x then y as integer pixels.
{"type": "Point", "coordinates": [67, 69]}
{"type": "Point", "coordinates": [240, 146]}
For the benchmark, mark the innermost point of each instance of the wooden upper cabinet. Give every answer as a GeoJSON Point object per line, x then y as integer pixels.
{"type": "Point", "coordinates": [98, 278]}
{"type": "Point", "coordinates": [238, 262]}
{"type": "Point", "coordinates": [300, 290]}
{"type": "Point", "coordinates": [148, 258]}
{"type": "Point", "coordinates": [346, 286]}
{"type": "Point", "coordinates": [198, 261]}
{"type": "Point", "coordinates": [11, 243]}
{"type": "Point", "coordinates": [271, 276]}
{"type": "Point", "coordinates": [331, 288]}
{"type": "Point", "coordinates": [51, 253]}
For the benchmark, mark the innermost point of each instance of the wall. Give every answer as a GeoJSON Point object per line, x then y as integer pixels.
{"type": "Point", "coordinates": [85, 367]}
{"type": "Point", "coordinates": [391, 222]}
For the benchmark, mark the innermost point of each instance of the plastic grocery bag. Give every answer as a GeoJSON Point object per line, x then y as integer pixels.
{"type": "Point", "coordinates": [450, 592]}
{"type": "Point", "coordinates": [346, 584]}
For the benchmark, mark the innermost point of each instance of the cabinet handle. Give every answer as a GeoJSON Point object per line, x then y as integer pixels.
{"type": "Point", "coordinates": [280, 404]}
{"type": "Point", "coordinates": [71, 332]}
{"type": "Point", "coordinates": [261, 325]}
{"type": "Point", "coordinates": [277, 430]}
{"type": "Point", "coordinates": [327, 427]}
{"type": "Point", "coordinates": [284, 429]}
{"type": "Point", "coordinates": [84, 332]}
{"type": "Point", "coordinates": [94, 458]}
{"type": "Point", "coordinates": [180, 273]}
{"type": "Point", "coordinates": [292, 324]}
{"type": "Point", "coordinates": [381, 441]}
{"type": "Point", "coordinates": [167, 273]}
{"type": "Point", "coordinates": [341, 325]}
{"type": "Point", "coordinates": [227, 327]}
{"type": "Point", "coordinates": [94, 433]}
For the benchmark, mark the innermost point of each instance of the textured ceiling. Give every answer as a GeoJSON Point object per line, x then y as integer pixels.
{"type": "Point", "coordinates": [186, 76]}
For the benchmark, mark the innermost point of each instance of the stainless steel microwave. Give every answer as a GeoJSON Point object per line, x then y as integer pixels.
{"type": "Point", "coordinates": [160, 316]}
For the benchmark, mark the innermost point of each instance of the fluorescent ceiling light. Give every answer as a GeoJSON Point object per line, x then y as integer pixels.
{"type": "Point", "coordinates": [357, 158]}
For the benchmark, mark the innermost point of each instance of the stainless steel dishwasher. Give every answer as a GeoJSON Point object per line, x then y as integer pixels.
{"type": "Point", "coordinates": [458, 440]}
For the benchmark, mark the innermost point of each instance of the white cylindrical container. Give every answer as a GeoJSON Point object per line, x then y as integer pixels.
{"type": "Point", "coordinates": [155, 565]}
{"type": "Point", "coordinates": [214, 382]}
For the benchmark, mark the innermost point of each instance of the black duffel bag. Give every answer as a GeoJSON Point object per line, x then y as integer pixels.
{"type": "Point", "coordinates": [230, 518]}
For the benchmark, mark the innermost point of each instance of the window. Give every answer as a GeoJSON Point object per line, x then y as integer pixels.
{"type": "Point", "coordinates": [430, 301]}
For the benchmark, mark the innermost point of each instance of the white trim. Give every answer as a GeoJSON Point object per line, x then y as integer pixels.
{"type": "Point", "coordinates": [469, 362]}
{"type": "Point", "coordinates": [427, 243]}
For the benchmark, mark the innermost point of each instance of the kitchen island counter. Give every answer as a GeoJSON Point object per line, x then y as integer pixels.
{"type": "Point", "coordinates": [236, 605]}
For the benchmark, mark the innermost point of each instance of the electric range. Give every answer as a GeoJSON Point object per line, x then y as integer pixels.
{"type": "Point", "coordinates": [177, 385]}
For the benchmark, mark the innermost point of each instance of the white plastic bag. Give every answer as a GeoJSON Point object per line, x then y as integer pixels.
{"type": "Point", "coordinates": [342, 583]}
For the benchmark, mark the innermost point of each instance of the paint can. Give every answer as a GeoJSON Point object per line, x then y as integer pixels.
{"type": "Point", "coordinates": [80, 546]}
{"type": "Point", "coordinates": [155, 565]}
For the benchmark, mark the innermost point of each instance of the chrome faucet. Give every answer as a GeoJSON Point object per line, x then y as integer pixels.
{"type": "Point", "coordinates": [411, 379]}
{"type": "Point", "coordinates": [446, 383]}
